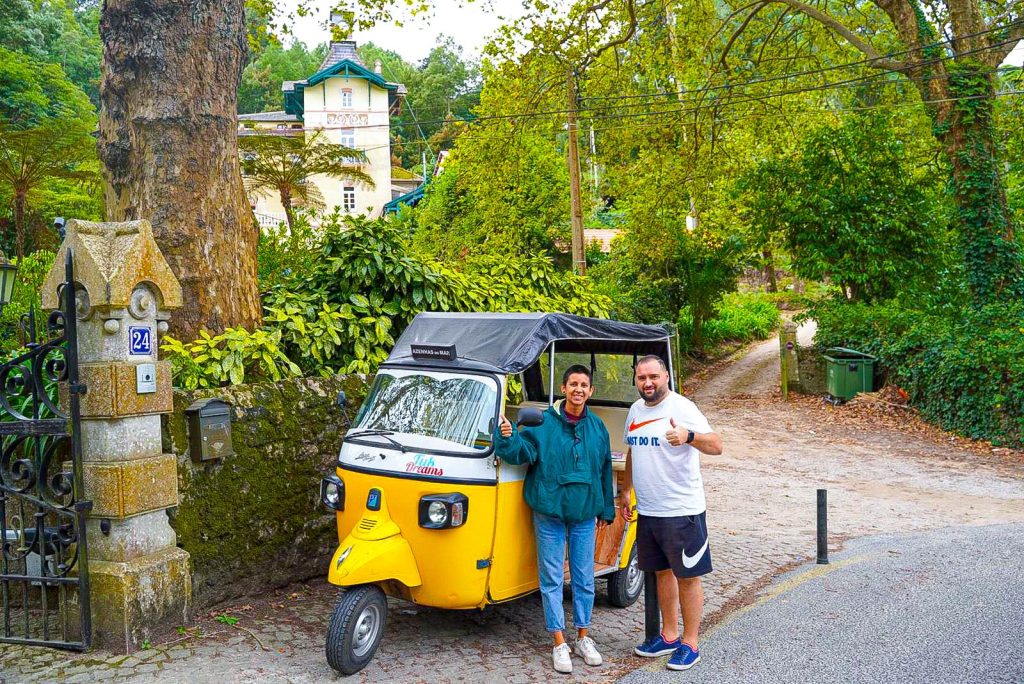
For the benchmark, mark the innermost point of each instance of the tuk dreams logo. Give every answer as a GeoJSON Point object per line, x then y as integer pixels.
{"type": "Point", "coordinates": [423, 465]}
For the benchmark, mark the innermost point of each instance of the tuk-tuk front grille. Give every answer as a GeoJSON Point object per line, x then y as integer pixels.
{"type": "Point", "coordinates": [367, 525]}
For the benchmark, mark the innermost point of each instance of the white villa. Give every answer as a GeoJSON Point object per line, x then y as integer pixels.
{"type": "Point", "coordinates": [352, 105]}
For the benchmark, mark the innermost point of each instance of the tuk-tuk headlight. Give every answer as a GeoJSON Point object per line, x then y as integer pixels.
{"type": "Point", "coordinates": [439, 511]}
{"type": "Point", "coordinates": [332, 493]}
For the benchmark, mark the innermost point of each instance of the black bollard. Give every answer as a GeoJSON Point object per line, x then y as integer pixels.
{"type": "Point", "coordinates": [652, 614]}
{"type": "Point", "coordinates": [822, 527]}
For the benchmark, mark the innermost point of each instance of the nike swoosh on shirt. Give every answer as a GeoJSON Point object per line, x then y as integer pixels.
{"type": "Point", "coordinates": [690, 561]}
{"type": "Point", "coordinates": [635, 425]}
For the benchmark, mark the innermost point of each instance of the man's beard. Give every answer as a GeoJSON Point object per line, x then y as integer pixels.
{"type": "Point", "coordinates": [659, 394]}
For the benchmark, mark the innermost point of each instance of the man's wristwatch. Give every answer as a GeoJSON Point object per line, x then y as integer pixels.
{"type": "Point", "coordinates": [690, 435]}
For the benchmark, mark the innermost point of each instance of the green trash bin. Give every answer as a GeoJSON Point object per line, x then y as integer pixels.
{"type": "Point", "coordinates": [848, 372]}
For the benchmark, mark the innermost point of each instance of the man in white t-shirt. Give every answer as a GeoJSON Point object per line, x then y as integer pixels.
{"type": "Point", "coordinates": [665, 435]}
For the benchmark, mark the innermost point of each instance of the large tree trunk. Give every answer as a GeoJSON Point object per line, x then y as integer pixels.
{"type": "Point", "coordinates": [168, 128]}
{"type": "Point", "coordinates": [769, 270]}
{"type": "Point", "coordinates": [959, 95]}
{"type": "Point", "coordinates": [991, 253]}
{"type": "Point", "coordinates": [289, 211]}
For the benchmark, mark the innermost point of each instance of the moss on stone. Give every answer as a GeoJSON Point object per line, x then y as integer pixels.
{"type": "Point", "coordinates": [253, 521]}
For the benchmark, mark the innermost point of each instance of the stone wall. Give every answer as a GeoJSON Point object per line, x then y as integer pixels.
{"type": "Point", "coordinates": [253, 521]}
{"type": "Point", "coordinates": [811, 366]}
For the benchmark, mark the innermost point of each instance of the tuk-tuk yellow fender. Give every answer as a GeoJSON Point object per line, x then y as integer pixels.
{"type": "Point", "coordinates": [375, 550]}
{"type": "Point", "coordinates": [362, 562]}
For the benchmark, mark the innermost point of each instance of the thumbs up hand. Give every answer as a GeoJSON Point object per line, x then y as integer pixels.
{"type": "Point", "coordinates": [676, 436]}
{"type": "Point", "coordinates": [505, 427]}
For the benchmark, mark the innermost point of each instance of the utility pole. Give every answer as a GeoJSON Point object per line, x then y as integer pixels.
{"type": "Point", "coordinates": [593, 158]}
{"type": "Point", "coordinates": [579, 258]}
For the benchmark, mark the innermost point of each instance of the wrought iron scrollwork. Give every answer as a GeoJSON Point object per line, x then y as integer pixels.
{"type": "Point", "coordinates": [42, 514]}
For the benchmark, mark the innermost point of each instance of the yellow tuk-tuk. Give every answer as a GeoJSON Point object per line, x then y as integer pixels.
{"type": "Point", "coordinates": [425, 510]}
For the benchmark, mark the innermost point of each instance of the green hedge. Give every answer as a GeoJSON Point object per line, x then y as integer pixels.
{"type": "Point", "coordinates": [963, 368]}
{"type": "Point", "coordinates": [739, 317]}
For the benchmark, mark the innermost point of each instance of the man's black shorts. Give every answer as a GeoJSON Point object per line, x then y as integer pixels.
{"type": "Point", "coordinates": [680, 543]}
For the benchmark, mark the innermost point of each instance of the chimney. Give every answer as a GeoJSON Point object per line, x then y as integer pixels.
{"type": "Point", "coordinates": [376, 67]}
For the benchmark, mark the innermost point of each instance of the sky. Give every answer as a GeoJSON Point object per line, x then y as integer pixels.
{"type": "Point", "coordinates": [470, 24]}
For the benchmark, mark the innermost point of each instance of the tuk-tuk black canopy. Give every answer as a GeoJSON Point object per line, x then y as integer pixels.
{"type": "Point", "coordinates": [511, 342]}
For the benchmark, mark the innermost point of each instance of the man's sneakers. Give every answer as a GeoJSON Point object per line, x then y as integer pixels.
{"type": "Point", "coordinates": [683, 655]}
{"type": "Point", "coordinates": [684, 658]}
{"type": "Point", "coordinates": [652, 648]}
{"type": "Point", "coordinates": [586, 649]}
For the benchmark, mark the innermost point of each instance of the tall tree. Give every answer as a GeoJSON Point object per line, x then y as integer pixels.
{"type": "Point", "coordinates": [949, 50]}
{"type": "Point", "coordinates": [575, 39]}
{"type": "Point", "coordinates": [261, 81]}
{"type": "Point", "coordinates": [286, 165]}
{"type": "Point", "coordinates": [443, 85]}
{"type": "Point", "coordinates": [61, 32]}
{"type": "Point", "coordinates": [29, 158]}
{"type": "Point", "coordinates": [33, 91]}
{"type": "Point", "coordinates": [168, 143]}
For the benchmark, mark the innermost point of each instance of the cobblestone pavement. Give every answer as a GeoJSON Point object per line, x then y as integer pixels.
{"type": "Point", "coordinates": [761, 513]}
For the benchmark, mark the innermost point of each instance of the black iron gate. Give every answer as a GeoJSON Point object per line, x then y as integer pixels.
{"type": "Point", "coordinates": [44, 580]}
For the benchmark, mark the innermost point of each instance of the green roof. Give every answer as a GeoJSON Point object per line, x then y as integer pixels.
{"type": "Point", "coordinates": [350, 70]}
{"type": "Point", "coordinates": [410, 198]}
{"type": "Point", "coordinates": [293, 99]}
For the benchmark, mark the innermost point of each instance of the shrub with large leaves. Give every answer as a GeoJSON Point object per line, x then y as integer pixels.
{"type": "Point", "coordinates": [345, 313]}
{"type": "Point", "coordinates": [228, 359]}
{"type": "Point", "coordinates": [342, 311]}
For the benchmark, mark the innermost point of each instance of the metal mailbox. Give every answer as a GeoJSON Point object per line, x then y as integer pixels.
{"type": "Point", "coordinates": [209, 429]}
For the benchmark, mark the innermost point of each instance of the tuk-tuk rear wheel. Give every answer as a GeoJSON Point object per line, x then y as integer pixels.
{"type": "Point", "coordinates": [626, 585]}
{"type": "Point", "coordinates": [356, 627]}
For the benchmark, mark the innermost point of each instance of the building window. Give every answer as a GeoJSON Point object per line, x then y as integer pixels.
{"type": "Point", "coordinates": [347, 137]}
{"type": "Point", "coordinates": [348, 198]}
{"type": "Point", "coordinates": [346, 98]}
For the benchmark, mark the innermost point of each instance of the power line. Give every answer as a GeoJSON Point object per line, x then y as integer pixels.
{"type": "Point", "coordinates": [755, 115]}
{"type": "Point", "coordinates": [846, 65]}
{"type": "Point", "coordinates": [867, 79]}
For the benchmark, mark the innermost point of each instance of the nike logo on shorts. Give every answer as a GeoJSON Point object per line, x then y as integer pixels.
{"type": "Point", "coordinates": [634, 425]}
{"type": "Point", "coordinates": [690, 561]}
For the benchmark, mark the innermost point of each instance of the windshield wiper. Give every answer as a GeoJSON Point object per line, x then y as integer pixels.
{"type": "Point", "coordinates": [386, 434]}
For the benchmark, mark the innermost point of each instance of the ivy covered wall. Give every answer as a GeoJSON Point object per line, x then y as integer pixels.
{"type": "Point", "coordinates": [253, 521]}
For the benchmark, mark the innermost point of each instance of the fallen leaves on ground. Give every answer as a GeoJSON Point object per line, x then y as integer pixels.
{"type": "Point", "coordinates": [887, 408]}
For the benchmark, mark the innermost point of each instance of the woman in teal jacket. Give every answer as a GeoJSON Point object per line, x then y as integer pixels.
{"type": "Point", "coordinates": [569, 486]}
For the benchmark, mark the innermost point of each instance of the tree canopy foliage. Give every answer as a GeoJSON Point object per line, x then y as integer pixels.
{"type": "Point", "coordinates": [64, 33]}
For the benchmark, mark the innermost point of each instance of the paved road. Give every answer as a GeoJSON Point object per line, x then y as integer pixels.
{"type": "Point", "coordinates": [944, 606]}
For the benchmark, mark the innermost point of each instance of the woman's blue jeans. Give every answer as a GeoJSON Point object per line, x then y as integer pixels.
{"type": "Point", "coordinates": [552, 534]}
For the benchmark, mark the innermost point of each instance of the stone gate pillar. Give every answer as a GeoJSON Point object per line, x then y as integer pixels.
{"type": "Point", "coordinates": [124, 291]}
{"type": "Point", "coordinates": [788, 359]}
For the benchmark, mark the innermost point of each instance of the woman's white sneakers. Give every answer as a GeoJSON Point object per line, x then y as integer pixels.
{"type": "Point", "coordinates": [587, 649]}
{"type": "Point", "coordinates": [560, 658]}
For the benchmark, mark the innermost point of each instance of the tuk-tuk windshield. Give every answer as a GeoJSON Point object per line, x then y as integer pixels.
{"type": "Point", "coordinates": [431, 410]}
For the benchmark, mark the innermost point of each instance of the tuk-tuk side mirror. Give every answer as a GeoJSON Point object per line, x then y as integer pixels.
{"type": "Point", "coordinates": [530, 417]}
{"type": "Point", "coordinates": [342, 400]}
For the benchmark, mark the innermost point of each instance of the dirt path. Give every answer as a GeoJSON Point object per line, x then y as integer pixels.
{"type": "Point", "coordinates": [756, 372]}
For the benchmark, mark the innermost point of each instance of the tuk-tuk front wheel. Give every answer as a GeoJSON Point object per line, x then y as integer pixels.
{"type": "Point", "coordinates": [626, 585]}
{"type": "Point", "coordinates": [356, 628]}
